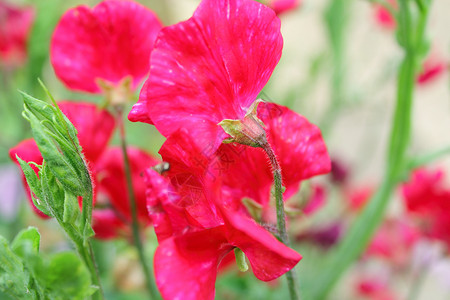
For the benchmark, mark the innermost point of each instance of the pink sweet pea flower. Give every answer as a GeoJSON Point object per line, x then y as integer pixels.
{"type": "Point", "coordinates": [394, 241]}
{"type": "Point", "coordinates": [15, 26]}
{"type": "Point", "coordinates": [433, 67]}
{"type": "Point", "coordinates": [427, 200]}
{"type": "Point", "coordinates": [374, 289]}
{"type": "Point", "coordinates": [384, 17]}
{"type": "Point", "coordinates": [282, 6]}
{"type": "Point", "coordinates": [111, 215]}
{"type": "Point", "coordinates": [210, 68]}
{"type": "Point", "coordinates": [109, 42]}
{"type": "Point", "coordinates": [191, 248]}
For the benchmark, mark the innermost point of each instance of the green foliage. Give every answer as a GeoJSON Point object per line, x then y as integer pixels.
{"type": "Point", "coordinates": [26, 274]}
{"type": "Point", "coordinates": [64, 174]}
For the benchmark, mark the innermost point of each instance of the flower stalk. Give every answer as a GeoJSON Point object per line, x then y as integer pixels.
{"type": "Point", "coordinates": [281, 216]}
{"type": "Point", "coordinates": [132, 200]}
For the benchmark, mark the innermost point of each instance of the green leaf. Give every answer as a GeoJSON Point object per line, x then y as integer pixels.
{"type": "Point", "coordinates": [67, 277]}
{"type": "Point", "coordinates": [13, 278]}
{"type": "Point", "coordinates": [28, 240]}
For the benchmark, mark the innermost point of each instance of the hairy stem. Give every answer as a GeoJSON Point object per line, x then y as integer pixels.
{"type": "Point", "coordinates": [281, 217]}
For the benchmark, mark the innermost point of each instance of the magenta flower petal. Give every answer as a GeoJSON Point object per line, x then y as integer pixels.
{"type": "Point", "coordinates": [111, 41]}
{"type": "Point", "coordinates": [186, 266]}
{"type": "Point", "coordinates": [15, 27]}
{"type": "Point", "coordinates": [282, 6]}
{"type": "Point", "coordinates": [298, 144]}
{"type": "Point", "coordinates": [139, 112]}
{"type": "Point", "coordinates": [164, 207]}
{"type": "Point", "coordinates": [111, 180]}
{"type": "Point", "coordinates": [95, 126]}
{"type": "Point", "coordinates": [211, 67]}
{"type": "Point", "coordinates": [107, 225]}
{"type": "Point", "coordinates": [268, 257]}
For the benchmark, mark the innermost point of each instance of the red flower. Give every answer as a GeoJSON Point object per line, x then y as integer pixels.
{"type": "Point", "coordinates": [383, 15]}
{"type": "Point", "coordinates": [298, 145]}
{"type": "Point", "coordinates": [432, 68]}
{"type": "Point", "coordinates": [282, 6]}
{"type": "Point", "coordinates": [374, 289]}
{"type": "Point", "coordinates": [109, 42]}
{"type": "Point", "coordinates": [15, 26]}
{"type": "Point", "coordinates": [95, 127]}
{"type": "Point", "coordinates": [191, 249]}
{"type": "Point", "coordinates": [426, 199]}
{"type": "Point", "coordinates": [210, 68]}
{"type": "Point", "coordinates": [394, 241]}
{"type": "Point", "coordinates": [358, 197]}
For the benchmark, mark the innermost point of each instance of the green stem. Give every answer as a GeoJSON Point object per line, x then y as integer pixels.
{"type": "Point", "coordinates": [281, 217]}
{"type": "Point", "coordinates": [362, 230]}
{"type": "Point", "coordinates": [135, 225]}
{"type": "Point", "coordinates": [85, 252]}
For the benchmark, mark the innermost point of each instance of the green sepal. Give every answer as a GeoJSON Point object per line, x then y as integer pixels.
{"type": "Point", "coordinates": [35, 187]}
{"type": "Point", "coordinates": [240, 260]}
{"type": "Point", "coordinates": [249, 131]}
{"type": "Point", "coordinates": [71, 208]}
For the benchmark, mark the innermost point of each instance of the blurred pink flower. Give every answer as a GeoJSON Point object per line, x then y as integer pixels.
{"type": "Point", "coordinates": [15, 27]}
{"type": "Point", "coordinates": [110, 42]}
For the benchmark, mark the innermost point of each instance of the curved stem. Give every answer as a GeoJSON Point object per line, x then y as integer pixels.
{"type": "Point", "coordinates": [281, 216]}
{"type": "Point", "coordinates": [362, 230]}
{"type": "Point", "coordinates": [135, 225]}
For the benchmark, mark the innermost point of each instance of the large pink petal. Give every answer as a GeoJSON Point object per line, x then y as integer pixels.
{"type": "Point", "coordinates": [111, 180]}
{"type": "Point", "coordinates": [268, 257]}
{"type": "Point", "coordinates": [211, 67]}
{"type": "Point", "coordinates": [165, 207]}
{"type": "Point", "coordinates": [139, 112]}
{"type": "Point", "coordinates": [298, 144]}
{"type": "Point", "coordinates": [95, 126]}
{"type": "Point", "coordinates": [111, 41]}
{"type": "Point", "coordinates": [186, 266]}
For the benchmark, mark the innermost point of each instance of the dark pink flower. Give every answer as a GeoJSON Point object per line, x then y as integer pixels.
{"type": "Point", "coordinates": [15, 26]}
{"type": "Point", "coordinates": [429, 201]}
{"type": "Point", "coordinates": [282, 6]}
{"type": "Point", "coordinates": [111, 41]}
{"type": "Point", "coordinates": [384, 17]}
{"type": "Point", "coordinates": [110, 172]}
{"type": "Point", "coordinates": [394, 241]}
{"type": "Point", "coordinates": [316, 201]}
{"type": "Point", "coordinates": [111, 216]}
{"type": "Point", "coordinates": [433, 67]}
{"type": "Point", "coordinates": [358, 197]}
{"type": "Point", "coordinates": [191, 250]}
{"type": "Point", "coordinates": [374, 289]}
{"type": "Point", "coordinates": [210, 68]}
